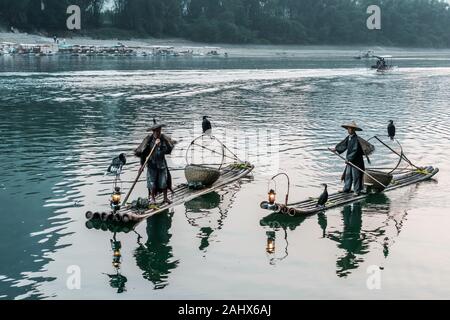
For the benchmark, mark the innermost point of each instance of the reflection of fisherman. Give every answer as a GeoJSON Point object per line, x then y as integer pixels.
{"type": "Point", "coordinates": [350, 240]}
{"type": "Point", "coordinates": [158, 174]}
{"type": "Point", "coordinates": [356, 148]}
{"type": "Point", "coordinates": [155, 258]}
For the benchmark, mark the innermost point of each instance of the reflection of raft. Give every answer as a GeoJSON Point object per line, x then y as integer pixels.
{"type": "Point", "coordinates": [206, 202]}
{"type": "Point", "coordinates": [109, 226]}
{"type": "Point", "coordinates": [181, 194]}
{"type": "Point", "coordinates": [309, 206]}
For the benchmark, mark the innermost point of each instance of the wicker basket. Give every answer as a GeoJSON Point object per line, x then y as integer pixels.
{"type": "Point", "coordinates": [200, 175]}
{"type": "Point", "coordinates": [383, 177]}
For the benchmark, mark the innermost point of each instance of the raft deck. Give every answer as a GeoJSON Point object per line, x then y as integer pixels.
{"type": "Point", "coordinates": [182, 193]}
{"type": "Point", "coordinates": [308, 207]}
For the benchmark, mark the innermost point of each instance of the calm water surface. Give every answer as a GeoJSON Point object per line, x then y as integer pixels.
{"type": "Point", "coordinates": [63, 119]}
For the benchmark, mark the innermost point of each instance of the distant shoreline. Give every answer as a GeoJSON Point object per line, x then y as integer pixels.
{"type": "Point", "coordinates": [258, 50]}
{"type": "Point", "coordinates": [32, 38]}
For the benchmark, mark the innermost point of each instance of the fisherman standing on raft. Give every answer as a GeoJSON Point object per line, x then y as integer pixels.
{"type": "Point", "coordinates": [158, 174]}
{"type": "Point", "coordinates": [356, 148]}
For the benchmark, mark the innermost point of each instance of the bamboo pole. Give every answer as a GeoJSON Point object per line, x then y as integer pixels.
{"type": "Point", "coordinates": [356, 167]}
{"type": "Point", "coordinates": [402, 156]}
{"type": "Point", "coordinates": [141, 169]}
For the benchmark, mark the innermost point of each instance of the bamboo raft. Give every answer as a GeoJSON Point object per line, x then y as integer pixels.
{"type": "Point", "coordinates": [309, 207]}
{"type": "Point", "coordinates": [181, 194]}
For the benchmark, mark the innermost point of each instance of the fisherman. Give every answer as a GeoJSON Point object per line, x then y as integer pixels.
{"type": "Point", "coordinates": [158, 174]}
{"type": "Point", "coordinates": [356, 148]}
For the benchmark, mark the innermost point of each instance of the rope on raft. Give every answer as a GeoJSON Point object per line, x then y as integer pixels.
{"type": "Point", "coordinates": [401, 156]}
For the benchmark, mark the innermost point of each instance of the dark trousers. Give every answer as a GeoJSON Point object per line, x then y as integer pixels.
{"type": "Point", "coordinates": [355, 177]}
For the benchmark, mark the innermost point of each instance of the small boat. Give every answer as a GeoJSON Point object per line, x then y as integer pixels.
{"type": "Point", "coordinates": [308, 207]}
{"type": "Point", "coordinates": [383, 64]}
{"type": "Point", "coordinates": [181, 194]}
{"type": "Point", "coordinates": [201, 180]}
{"type": "Point", "coordinates": [376, 181]}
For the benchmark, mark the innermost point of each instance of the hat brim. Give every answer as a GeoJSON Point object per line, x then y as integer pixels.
{"type": "Point", "coordinates": [353, 127]}
{"type": "Point", "coordinates": [156, 127]}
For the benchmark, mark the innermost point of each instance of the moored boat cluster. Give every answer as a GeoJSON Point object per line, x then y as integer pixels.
{"type": "Point", "coordinates": [117, 50]}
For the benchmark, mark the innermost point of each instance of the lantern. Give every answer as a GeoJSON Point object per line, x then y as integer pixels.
{"type": "Point", "coordinates": [270, 248]}
{"type": "Point", "coordinates": [116, 196]}
{"type": "Point", "coordinates": [272, 196]}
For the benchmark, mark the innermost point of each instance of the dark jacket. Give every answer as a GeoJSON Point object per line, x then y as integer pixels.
{"type": "Point", "coordinates": [356, 149]}
{"type": "Point", "coordinates": [158, 159]}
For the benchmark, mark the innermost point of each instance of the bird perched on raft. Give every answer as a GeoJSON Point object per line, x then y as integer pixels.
{"type": "Point", "coordinates": [206, 125]}
{"type": "Point", "coordinates": [117, 164]}
{"type": "Point", "coordinates": [391, 130]}
{"type": "Point", "coordinates": [323, 199]}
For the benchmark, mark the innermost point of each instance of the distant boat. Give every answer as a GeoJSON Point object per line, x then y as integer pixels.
{"type": "Point", "coordinates": [384, 63]}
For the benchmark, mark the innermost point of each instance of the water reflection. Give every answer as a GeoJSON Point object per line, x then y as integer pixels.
{"type": "Point", "coordinates": [208, 213]}
{"type": "Point", "coordinates": [117, 280]}
{"type": "Point", "coordinates": [155, 258]}
{"type": "Point", "coordinates": [356, 240]}
{"type": "Point", "coordinates": [278, 226]}
{"type": "Point", "coordinates": [352, 238]}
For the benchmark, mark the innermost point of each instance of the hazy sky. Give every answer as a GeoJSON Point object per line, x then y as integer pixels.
{"type": "Point", "coordinates": [109, 4]}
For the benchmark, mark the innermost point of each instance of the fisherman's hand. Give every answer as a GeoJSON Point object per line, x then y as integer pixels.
{"type": "Point", "coordinates": [333, 149]}
{"type": "Point", "coordinates": [158, 141]}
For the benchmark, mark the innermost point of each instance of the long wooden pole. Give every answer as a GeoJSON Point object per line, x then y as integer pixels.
{"type": "Point", "coordinates": [402, 156]}
{"type": "Point", "coordinates": [356, 167]}
{"type": "Point", "coordinates": [141, 169]}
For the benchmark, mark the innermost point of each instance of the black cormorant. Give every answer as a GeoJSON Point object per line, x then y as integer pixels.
{"type": "Point", "coordinates": [391, 130]}
{"type": "Point", "coordinates": [206, 125]}
{"type": "Point", "coordinates": [117, 164]}
{"type": "Point", "coordinates": [323, 199]}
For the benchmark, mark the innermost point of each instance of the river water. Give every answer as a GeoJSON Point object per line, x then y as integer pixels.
{"type": "Point", "coordinates": [65, 118]}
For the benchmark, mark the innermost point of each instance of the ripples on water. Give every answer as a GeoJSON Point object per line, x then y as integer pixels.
{"type": "Point", "coordinates": [61, 129]}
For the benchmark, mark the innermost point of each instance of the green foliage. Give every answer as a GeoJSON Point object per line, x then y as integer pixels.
{"type": "Point", "coordinates": [28, 14]}
{"type": "Point", "coordinates": [404, 22]}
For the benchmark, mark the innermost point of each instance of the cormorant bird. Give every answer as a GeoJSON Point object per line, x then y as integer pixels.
{"type": "Point", "coordinates": [206, 125]}
{"type": "Point", "coordinates": [391, 130]}
{"type": "Point", "coordinates": [117, 164]}
{"type": "Point", "coordinates": [323, 199]}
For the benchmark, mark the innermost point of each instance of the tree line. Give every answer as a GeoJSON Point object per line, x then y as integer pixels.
{"type": "Point", "coordinates": [403, 22]}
